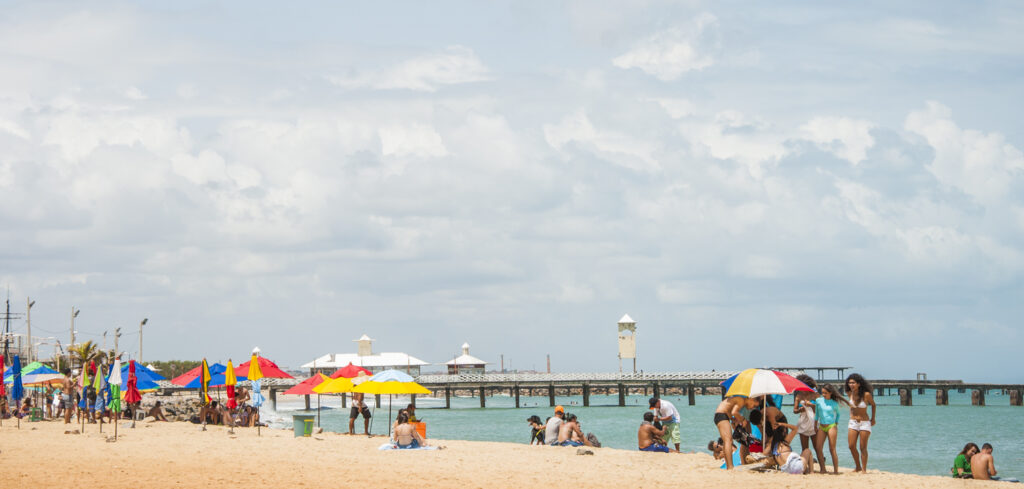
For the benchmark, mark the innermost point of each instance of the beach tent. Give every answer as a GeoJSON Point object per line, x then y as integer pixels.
{"type": "Point", "coordinates": [390, 382]}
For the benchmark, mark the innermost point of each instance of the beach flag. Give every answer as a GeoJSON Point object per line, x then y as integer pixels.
{"type": "Point", "coordinates": [115, 388]}
{"type": "Point", "coordinates": [204, 379]}
{"type": "Point", "coordinates": [229, 381]}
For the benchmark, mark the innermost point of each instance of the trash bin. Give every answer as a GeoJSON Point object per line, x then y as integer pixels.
{"type": "Point", "coordinates": [421, 427]}
{"type": "Point", "coordinates": [303, 424]}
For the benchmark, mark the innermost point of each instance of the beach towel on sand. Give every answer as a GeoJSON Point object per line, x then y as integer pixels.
{"type": "Point", "coordinates": [392, 446]}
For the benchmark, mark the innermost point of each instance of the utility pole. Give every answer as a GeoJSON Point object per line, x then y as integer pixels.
{"type": "Point", "coordinates": [143, 323]}
{"type": "Point", "coordinates": [28, 326]}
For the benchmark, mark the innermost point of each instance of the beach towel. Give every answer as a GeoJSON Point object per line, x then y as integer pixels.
{"type": "Point", "coordinates": [392, 446]}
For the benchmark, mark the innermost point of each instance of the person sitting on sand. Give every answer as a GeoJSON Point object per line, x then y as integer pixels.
{"type": "Point", "coordinates": [983, 466]}
{"type": "Point", "coordinates": [554, 425]}
{"type": "Point", "coordinates": [570, 434]}
{"type": "Point", "coordinates": [536, 430]}
{"type": "Point", "coordinates": [411, 409]}
{"type": "Point", "coordinates": [210, 414]}
{"type": "Point", "coordinates": [26, 408]}
{"type": "Point", "coordinates": [241, 397]}
{"type": "Point", "coordinates": [406, 435]}
{"type": "Point", "coordinates": [962, 463]}
{"type": "Point", "coordinates": [649, 438]}
{"type": "Point", "coordinates": [157, 413]}
{"type": "Point", "coordinates": [394, 426]}
{"type": "Point", "coordinates": [727, 412]}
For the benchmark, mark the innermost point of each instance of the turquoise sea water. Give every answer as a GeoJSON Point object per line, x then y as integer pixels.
{"type": "Point", "coordinates": [921, 439]}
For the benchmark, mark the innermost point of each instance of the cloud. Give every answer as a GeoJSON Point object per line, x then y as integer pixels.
{"type": "Point", "coordinates": [983, 165]}
{"type": "Point", "coordinates": [618, 148]}
{"type": "Point", "coordinates": [669, 54]}
{"type": "Point", "coordinates": [456, 65]}
{"type": "Point", "coordinates": [847, 138]}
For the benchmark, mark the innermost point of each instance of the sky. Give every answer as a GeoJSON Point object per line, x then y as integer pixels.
{"type": "Point", "coordinates": [755, 183]}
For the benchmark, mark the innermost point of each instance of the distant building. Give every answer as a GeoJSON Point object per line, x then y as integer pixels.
{"type": "Point", "coordinates": [466, 363]}
{"type": "Point", "coordinates": [364, 357]}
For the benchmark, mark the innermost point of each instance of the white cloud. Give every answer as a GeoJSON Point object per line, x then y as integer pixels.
{"type": "Point", "coordinates": [982, 165]}
{"type": "Point", "coordinates": [847, 138]}
{"type": "Point", "coordinates": [670, 53]}
{"type": "Point", "coordinates": [133, 93]}
{"type": "Point", "coordinates": [418, 140]}
{"type": "Point", "coordinates": [619, 148]}
{"type": "Point", "coordinates": [456, 65]}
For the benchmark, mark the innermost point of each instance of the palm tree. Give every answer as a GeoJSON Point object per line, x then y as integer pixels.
{"type": "Point", "coordinates": [85, 352]}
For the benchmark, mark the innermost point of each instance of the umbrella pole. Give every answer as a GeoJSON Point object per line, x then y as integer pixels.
{"type": "Point", "coordinates": [389, 415]}
{"type": "Point", "coordinates": [318, 410]}
{"type": "Point", "coordinates": [116, 415]}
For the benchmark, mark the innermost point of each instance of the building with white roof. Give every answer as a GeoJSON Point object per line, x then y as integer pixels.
{"type": "Point", "coordinates": [466, 363]}
{"type": "Point", "coordinates": [364, 357]}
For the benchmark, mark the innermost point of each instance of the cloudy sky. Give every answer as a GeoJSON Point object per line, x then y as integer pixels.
{"type": "Point", "coordinates": [755, 184]}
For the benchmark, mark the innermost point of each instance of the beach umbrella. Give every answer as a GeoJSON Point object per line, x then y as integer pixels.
{"type": "Point", "coordinates": [98, 385]}
{"type": "Point", "coordinates": [254, 374]}
{"type": "Point", "coordinates": [188, 377]}
{"type": "Point", "coordinates": [267, 368]}
{"type": "Point", "coordinates": [306, 387]}
{"type": "Point", "coordinates": [131, 393]}
{"type": "Point", "coordinates": [390, 382]}
{"type": "Point", "coordinates": [114, 381]}
{"type": "Point", "coordinates": [83, 402]}
{"type": "Point", "coordinates": [17, 391]}
{"type": "Point", "coordinates": [204, 382]}
{"type": "Point", "coordinates": [230, 379]}
{"type": "Point", "coordinates": [754, 382]}
{"type": "Point", "coordinates": [350, 371]}
{"type": "Point", "coordinates": [215, 380]}
{"type": "Point", "coordinates": [32, 368]}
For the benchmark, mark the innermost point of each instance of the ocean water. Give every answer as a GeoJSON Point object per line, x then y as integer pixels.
{"type": "Point", "coordinates": [920, 439]}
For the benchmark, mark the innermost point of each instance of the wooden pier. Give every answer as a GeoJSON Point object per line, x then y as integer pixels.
{"type": "Point", "coordinates": [689, 384]}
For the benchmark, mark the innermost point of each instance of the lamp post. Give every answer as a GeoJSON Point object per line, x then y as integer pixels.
{"type": "Point", "coordinates": [28, 326]}
{"type": "Point", "coordinates": [143, 323]}
{"type": "Point", "coordinates": [74, 314]}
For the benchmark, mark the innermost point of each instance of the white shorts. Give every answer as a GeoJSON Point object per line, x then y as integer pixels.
{"type": "Point", "coordinates": [860, 425]}
{"type": "Point", "coordinates": [794, 464]}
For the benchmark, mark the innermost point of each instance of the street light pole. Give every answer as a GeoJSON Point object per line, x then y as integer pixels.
{"type": "Point", "coordinates": [74, 314]}
{"type": "Point", "coordinates": [28, 323]}
{"type": "Point", "coordinates": [143, 323]}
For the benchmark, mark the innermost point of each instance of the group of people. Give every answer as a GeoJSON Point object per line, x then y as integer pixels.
{"type": "Point", "coordinates": [219, 413]}
{"type": "Point", "coordinates": [976, 463]}
{"type": "Point", "coordinates": [562, 429]}
{"type": "Point", "coordinates": [404, 434]}
{"type": "Point", "coordinates": [818, 422]}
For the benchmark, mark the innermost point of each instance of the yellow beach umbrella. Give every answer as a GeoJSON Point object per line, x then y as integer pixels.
{"type": "Point", "coordinates": [390, 382]}
{"type": "Point", "coordinates": [334, 386]}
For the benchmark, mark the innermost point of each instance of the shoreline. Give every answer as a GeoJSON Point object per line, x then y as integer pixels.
{"type": "Point", "coordinates": [178, 454]}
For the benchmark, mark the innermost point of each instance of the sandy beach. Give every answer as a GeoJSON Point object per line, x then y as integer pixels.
{"type": "Point", "coordinates": [158, 455]}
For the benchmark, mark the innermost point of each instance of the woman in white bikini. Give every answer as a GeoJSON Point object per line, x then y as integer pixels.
{"type": "Point", "coordinates": [859, 391]}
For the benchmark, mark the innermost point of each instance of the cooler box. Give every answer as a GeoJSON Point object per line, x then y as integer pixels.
{"type": "Point", "coordinates": [421, 427]}
{"type": "Point", "coordinates": [303, 424]}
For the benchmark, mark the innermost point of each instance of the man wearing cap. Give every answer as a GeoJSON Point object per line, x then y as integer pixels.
{"type": "Point", "coordinates": [669, 416]}
{"type": "Point", "coordinates": [553, 424]}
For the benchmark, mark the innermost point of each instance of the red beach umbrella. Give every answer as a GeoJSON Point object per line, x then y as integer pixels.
{"type": "Point", "coordinates": [131, 393]}
{"type": "Point", "coordinates": [268, 368]}
{"type": "Point", "coordinates": [187, 377]}
{"type": "Point", "coordinates": [306, 386]}
{"type": "Point", "coordinates": [350, 372]}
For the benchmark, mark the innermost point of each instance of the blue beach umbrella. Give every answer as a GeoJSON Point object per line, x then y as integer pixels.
{"type": "Point", "coordinates": [216, 380]}
{"type": "Point", "coordinates": [17, 390]}
{"type": "Point", "coordinates": [146, 378]}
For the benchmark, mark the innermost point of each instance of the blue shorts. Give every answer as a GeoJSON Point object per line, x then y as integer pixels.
{"type": "Point", "coordinates": [415, 444]}
{"type": "Point", "coordinates": [654, 447]}
{"type": "Point", "coordinates": [570, 443]}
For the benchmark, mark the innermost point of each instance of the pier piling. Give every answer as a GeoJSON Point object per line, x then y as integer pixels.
{"type": "Point", "coordinates": [377, 400]}
{"type": "Point", "coordinates": [1015, 397]}
{"type": "Point", "coordinates": [273, 399]}
{"type": "Point", "coordinates": [690, 396]}
{"type": "Point", "coordinates": [412, 400]}
{"type": "Point", "coordinates": [515, 388]}
{"type": "Point", "coordinates": [586, 395]}
{"type": "Point", "coordinates": [941, 397]}
{"type": "Point", "coordinates": [483, 396]}
{"type": "Point", "coordinates": [622, 395]}
{"type": "Point", "coordinates": [978, 397]}
{"type": "Point", "coordinates": [551, 394]}
{"type": "Point", "coordinates": [906, 397]}
{"type": "Point", "coordinates": [307, 402]}
{"type": "Point", "coordinates": [447, 397]}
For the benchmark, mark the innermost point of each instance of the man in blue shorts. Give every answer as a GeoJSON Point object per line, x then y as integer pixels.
{"type": "Point", "coordinates": [648, 437]}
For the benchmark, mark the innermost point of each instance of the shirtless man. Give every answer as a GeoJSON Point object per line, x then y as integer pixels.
{"type": "Point", "coordinates": [983, 466]}
{"type": "Point", "coordinates": [157, 413]}
{"type": "Point", "coordinates": [726, 412]}
{"type": "Point", "coordinates": [67, 386]}
{"type": "Point", "coordinates": [649, 438]}
{"type": "Point", "coordinates": [358, 407]}
{"type": "Point", "coordinates": [569, 430]}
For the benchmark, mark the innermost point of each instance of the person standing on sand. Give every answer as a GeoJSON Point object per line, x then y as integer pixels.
{"type": "Point", "coordinates": [67, 386]}
{"type": "Point", "coordinates": [802, 405]}
{"type": "Point", "coordinates": [554, 423]}
{"type": "Point", "coordinates": [727, 412]}
{"type": "Point", "coordinates": [669, 416]}
{"type": "Point", "coordinates": [826, 410]}
{"type": "Point", "coordinates": [859, 391]}
{"type": "Point", "coordinates": [358, 407]}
